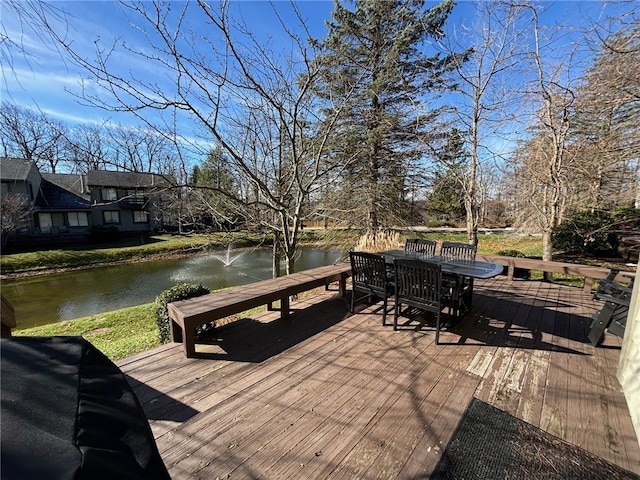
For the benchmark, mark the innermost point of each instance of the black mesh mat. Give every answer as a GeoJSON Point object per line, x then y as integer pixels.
{"type": "Point", "coordinates": [491, 444]}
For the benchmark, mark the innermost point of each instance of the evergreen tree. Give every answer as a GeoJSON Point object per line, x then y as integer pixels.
{"type": "Point", "coordinates": [445, 201]}
{"type": "Point", "coordinates": [376, 57]}
{"type": "Point", "coordinates": [213, 184]}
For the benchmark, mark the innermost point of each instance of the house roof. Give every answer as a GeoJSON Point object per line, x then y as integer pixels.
{"type": "Point", "coordinates": [12, 169]}
{"type": "Point", "coordinates": [75, 183]}
{"type": "Point", "coordinates": [56, 196]}
{"type": "Point", "coordinates": [106, 178]}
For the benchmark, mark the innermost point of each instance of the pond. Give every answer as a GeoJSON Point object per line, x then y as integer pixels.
{"type": "Point", "coordinates": [45, 299]}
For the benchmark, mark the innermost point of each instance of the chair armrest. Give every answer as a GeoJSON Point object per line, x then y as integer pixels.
{"type": "Point", "coordinates": [613, 299]}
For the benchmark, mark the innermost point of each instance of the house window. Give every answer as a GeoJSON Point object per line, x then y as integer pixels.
{"type": "Point", "coordinates": [5, 188]}
{"type": "Point", "coordinates": [139, 216]}
{"type": "Point", "coordinates": [48, 221]}
{"type": "Point", "coordinates": [78, 219]}
{"type": "Point", "coordinates": [111, 216]}
{"type": "Point", "coordinates": [109, 194]}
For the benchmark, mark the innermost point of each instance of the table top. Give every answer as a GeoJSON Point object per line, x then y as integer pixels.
{"type": "Point", "coordinates": [456, 266]}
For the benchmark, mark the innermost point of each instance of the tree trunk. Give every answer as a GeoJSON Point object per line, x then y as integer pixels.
{"type": "Point", "coordinates": [275, 266]}
{"type": "Point", "coordinates": [291, 263]}
{"type": "Point", "coordinates": [547, 250]}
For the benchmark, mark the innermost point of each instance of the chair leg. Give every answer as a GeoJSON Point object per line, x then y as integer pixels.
{"type": "Point", "coordinates": [353, 299]}
{"type": "Point", "coordinates": [384, 311]}
{"type": "Point", "coordinates": [396, 312]}
{"type": "Point", "coordinates": [601, 321]}
{"type": "Point", "coordinates": [437, 328]}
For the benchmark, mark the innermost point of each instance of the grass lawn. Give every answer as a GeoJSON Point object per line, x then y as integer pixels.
{"type": "Point", "coordinates": [128, 249]}
{"type": "Point", "coordinates": [117, 334]}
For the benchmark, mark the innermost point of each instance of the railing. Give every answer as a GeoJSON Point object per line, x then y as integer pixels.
{"type": "Point", "coordinates": [589, 273]}
{"type": "Point", "coordinates": [133, 202]}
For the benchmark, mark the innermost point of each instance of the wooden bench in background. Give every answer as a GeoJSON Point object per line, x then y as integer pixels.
{"type": "Point", "coordinates": [590, 273]}
{"type": "Point", "coordinates": [186, 315]}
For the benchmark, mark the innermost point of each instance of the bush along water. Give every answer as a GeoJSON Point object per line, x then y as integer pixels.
{"type": "Point", "coordinates": [182, 291]}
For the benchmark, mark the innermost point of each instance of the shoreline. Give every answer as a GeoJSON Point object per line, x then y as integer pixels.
{"type": "Point", "coordinates": [51, 271]}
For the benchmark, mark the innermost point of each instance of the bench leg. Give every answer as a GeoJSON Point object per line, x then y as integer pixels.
{"type": "Point", "coordinates": [343, 285]}
{"type": "Point", "coordinates": [189, 342]}
{"type": "Point", "coordinates": [176, 331]}
{"type": "Point", "coordinates": [284, 308]}
{"type": "Point", "coordinates": [186, 336]}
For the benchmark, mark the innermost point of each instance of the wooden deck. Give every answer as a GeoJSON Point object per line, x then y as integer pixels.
{"type": "Point", "coordinates": [329, 394]}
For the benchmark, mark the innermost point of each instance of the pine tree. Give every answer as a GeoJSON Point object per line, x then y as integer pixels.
{"type": "Point", "coordinates": [445, 201]}
{"type": "Point", "coordinates": [376, 57]}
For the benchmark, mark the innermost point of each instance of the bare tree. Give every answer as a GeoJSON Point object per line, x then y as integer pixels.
{"type": "Point", "coordinates": [89, 147]}
{"type": "Point", "coordinates": [16, 212]}
{"type": "Point", "coordinates": [28, 25]}
{"type": "Point", "coordinates": [545, 164]}
{"type": "Point", "coordinates": [32, 135]}
{"type": "Point", "coordinates": [139, 149]}
{"type": "Point", "coordinates": [253, 102]}
{"type": "Point", "coordinates": [607, 118]}
{"type": "Point", "coordinates": [487, 106]}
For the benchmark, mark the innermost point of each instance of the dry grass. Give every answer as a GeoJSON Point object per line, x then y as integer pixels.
{"type": "Point", "coordinates": [376, 242]}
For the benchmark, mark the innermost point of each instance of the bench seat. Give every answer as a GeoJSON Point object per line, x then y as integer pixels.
{"type": "Point", "coordinates": [186, 315]}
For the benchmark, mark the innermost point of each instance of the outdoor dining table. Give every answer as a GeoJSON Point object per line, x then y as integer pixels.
{"type": "Point", "coordinates": [458, 267]}
{"type": "Point", "coordinates": [454, 266]}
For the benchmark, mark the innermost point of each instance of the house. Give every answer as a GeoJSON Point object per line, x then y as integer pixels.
{"type": "Point", "coordinates": [63, 207]}
{"type": "Point", "coordinates": [19, 176]}
{"type": "Point", "coordinates": [130, 201]}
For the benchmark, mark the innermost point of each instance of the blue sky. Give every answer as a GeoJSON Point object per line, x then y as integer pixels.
{"type": "Point", "coordinates": [46, 81]}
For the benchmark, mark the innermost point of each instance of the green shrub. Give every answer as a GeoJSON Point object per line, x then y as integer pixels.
{"type": "Point", "coordinates": [441, 224]}
{"type": "Point", "coordinates": [181, 291]}
{"type": "Point", "coordinates": [627, 218]}
{"type": "Point", "coordinates": [101, 233]}
{"type": "Point", "coordinates": [511, 253]}
{"type": "Point", "coordinates": [585, 232]}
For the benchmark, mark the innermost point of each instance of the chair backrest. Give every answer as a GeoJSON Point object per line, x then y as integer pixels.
{"type": "Point", "coordinates": [418, 282]}
{"type": "Point", "coordinates": [418, 245]}
{"type": "Point", "coordinates": [462, 251]}
{"type": "Point", "coordinates": [368, 270]}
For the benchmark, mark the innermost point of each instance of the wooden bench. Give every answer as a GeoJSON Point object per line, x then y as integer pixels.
{"type": "Point", "coordinates": [186, 315]}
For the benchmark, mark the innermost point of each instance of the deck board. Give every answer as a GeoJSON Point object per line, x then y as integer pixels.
{"type": "Point", "coordinates": [331, 394]}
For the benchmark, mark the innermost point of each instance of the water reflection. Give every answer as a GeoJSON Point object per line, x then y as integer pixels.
{"type": "Point", "coordinates": [65, 296]}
